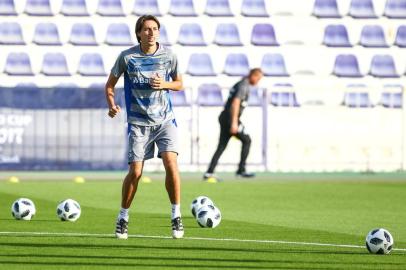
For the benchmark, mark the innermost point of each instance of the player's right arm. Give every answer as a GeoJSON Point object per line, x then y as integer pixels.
{"type": "Point", "coordinates": [109, 89]}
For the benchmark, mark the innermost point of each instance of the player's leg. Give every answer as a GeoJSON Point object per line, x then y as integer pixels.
{"type": "Point", "coordinates": [245, 149]}
{"type": "Point", "coordinates": [222, 144]}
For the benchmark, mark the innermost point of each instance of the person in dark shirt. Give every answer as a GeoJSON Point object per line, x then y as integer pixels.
{"type": "Point", "coordinates": [230, 124]}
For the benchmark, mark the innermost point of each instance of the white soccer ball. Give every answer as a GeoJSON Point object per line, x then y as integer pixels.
{"type": "Point", "coordinates": [379, 241]}
{"type": "Point", "coordinates": [68, 210]}
{"type": "Point", "coordinates": [198, 203]}
{"type": "Point", "coordinates": [208, 216]}
{"type": "Point", "coordinates": [23, 208]}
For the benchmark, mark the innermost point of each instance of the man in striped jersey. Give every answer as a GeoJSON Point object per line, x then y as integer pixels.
{"type": "Point", "coordinates": [150, 71]}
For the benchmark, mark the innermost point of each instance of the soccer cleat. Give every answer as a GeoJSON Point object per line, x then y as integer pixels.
{"type": "Point", "coordinates": [210, 178]}
{"type": "Point", "coordinates": [122, 229]}
{"type": "Point", "coordinates": [177, 228]}
{"type": "Point", "coordinates": [245, 174]}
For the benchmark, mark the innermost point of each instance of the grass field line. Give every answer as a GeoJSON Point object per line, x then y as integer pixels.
{"type": "Point", "coordinates": [110, 235]}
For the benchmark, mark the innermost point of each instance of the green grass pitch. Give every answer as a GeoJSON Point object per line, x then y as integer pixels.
{"type": "Point", "coordinates": [299, 211]}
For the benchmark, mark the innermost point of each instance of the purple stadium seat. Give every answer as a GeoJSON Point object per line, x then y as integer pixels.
{"type": "Point", "coordinates": [163, 36]}
{"type": "Point", "coordinates": [54, 64]}
{"type": "Point", "coordinates": [346, 65]}
{"type": "Point", "coordinates": [190, 34]}
{"type": "Point", "coordinates": [273, 64]}
{"type": "Point", "coordinates": [336, 36]}
{"type": "Point", "coordinates": [18, 64]}
{"type": "Point", "coordinates": [383, 66]}
{"type": "Point", "coordinates": [142, 7]}
{"type": "Point", "coordinates": [372, 36]}
{"type": "Point", "coordinates": [74, 8]}
{"type": "Point", "coordinates": [254, 8]}
{"type": "Point", "coordinates": [326, 9]}
{"type": "Point", "coordinates": [82, 34]}
{"type": "Point", "coordinates": [11, 34]}
{"type": "Point", "coordinates": [118, 34]}
{"type": "Point", "coordinates": [210, 95]}
{"type": "Point", "coordinates": [46, 34]}
{"type": "Point", "coordinates": [110, 8]}
{"type": "Point", "coordinates": [27, 97]}
{"type": "Point", "coordinates": [38, 8]}
{"type": "Point", "coordinates": [65, 97]}
{"type": "Point", "coordinates": [91, 64]}
{"type": "Point", "coordinates": [227, 35]}
{"type": "Point", "coordinates": [400, 39]}
{"type": "Point", "coordinates": [395, 9]}
{"type": "Point", "coordinates": [263, 34]}
{"type": "Point", "coordinates": [284, 99]}
{"type": "Point", "coordinates": [182, 8]}
{"type": "Point", "coordinates": [391, 100]}
{"type": "Point", "coordinates": [178, 98]}
{"type": "Point", "coordinates": [7, 8]}
{"type": "Point", "coordinates": [254, 98]}
{"type": "Point", "coordinates": [217, 8]}
{"type": "Point", "coordinates": [200, 65]}
{"type": "Point", "coordinates": [357, 100]}
{"type": "Point", "coordinates": [362, 9]}
{"type": "Point", "coordinates": [236, 64]}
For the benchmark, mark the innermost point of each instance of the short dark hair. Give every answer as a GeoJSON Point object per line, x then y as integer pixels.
{"type": "Point", "coordinates": [140, 23]}
{"type": "Point", "coordinates": [254, 70]}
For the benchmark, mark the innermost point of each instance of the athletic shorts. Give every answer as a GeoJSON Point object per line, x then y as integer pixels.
{"type": "Point", "coordinates": [142, 140]}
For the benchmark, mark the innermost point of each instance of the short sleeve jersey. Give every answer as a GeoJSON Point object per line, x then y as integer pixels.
{"type": "Point", "coordinates": [239, 90]}
{"type": "Point", "coordinates": [146, 106]}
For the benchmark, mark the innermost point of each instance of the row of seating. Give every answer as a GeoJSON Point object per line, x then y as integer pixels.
{"type": "Point", "coordinates": [200, 64]}
{"type": "Point", "coordinates": [250, 8]}
{"type": "Point", "coordinates": [191, 34]}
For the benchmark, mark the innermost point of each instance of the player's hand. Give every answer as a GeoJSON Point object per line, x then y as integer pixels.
{"type": "Point", "coordinates": [233, 129]}
{"type": "Point", "coordinates": [157, 82]}
{"type": "Point", "coordinates": [114, 111]}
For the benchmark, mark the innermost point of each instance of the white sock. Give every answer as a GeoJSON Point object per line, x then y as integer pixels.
{"type": "Point", "coordinates": [123, 214]}
{"type": "Point", "coordinates": [175, 211]}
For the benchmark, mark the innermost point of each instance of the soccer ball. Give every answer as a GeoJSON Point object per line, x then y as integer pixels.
{"type": "Point", "coordinates": [23, 208]}
{"type": "Point", "coordinates": [198, 203]}
{"type": "Point", "coordinates": [379, 241]}
{"type": "Point", "coordinates": [208, 216]}
{"type": "Point", "coordinates": [68, 210]}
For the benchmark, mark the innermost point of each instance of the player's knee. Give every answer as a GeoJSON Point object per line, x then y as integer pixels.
{"type": "Point", "coordinates": [247, 140]}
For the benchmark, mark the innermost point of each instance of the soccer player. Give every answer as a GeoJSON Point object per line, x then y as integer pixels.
{"type": "Point", "coordinates": [150, 71]}
{"type": "Point", "coordinates": [230, 124]}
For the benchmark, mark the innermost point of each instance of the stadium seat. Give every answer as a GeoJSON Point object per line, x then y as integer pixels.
{"type": "Point", "coordinates": [200, 65]}
{"type": "Point", "coordinates": [7, 8]}
{"type": "Point", "coordinates": [182, 8]}
{"type": "Point", "coordinates": [190, 34]}
{"type": "Point", "coordinates": [395, 9]}
{"type": "Point", "coordinates": [38, 8]}
{"type": "Point", "coordinates": [178, 98]}
{"type": "Point", "coordinates": [326, 9]}
{"type": "Point", "coordinates": [27, 97]}
{"type": "Point", "coordinates": [93, 98]}
{"type": "Point", "coordinates": [346, 65]}
{"type": "Point", "coordinates": [54, 64]}
{"type": "Point", "coordinates": [263, 34]}
{"type": "Point", "coordinates": [163, 36]}
{"type": "Point", "coordinates": [284, 99]}
{"type": "Point", "coordinates": [82, 34]}
{"type": "Point", "coordinates": [400, 39]}
{"type": "Point", "coordinates": [142, 7]}
{"type": "Point", "coordinates": [254, 98]}
{"type": "Point", "coordinates": [91, 64]}
{"type": "Point", "coordinates": [391, 100]}
{"type": "Point", "coordinates": [74, 8]}
{"type": "Point", "coordinates": [273, 64]}
{"type": "Point", "coordinates": [236, 64]}
{"type": "Point", "coordinates": [357, 100]}
{"type": "Point", "coordinates": [217, 8]}
{"type": "Point", "coordinates": [254, 8]}
{"type": "Point", "coordinates": [11, 34]}
{"type": "Point", "coordinates": [118, 34]}
{"type": "Point", "coordinates": [373, 36]}
{"type": "Point", "coordinates": [383, 66]}
{"type": "Point", "coordinates": [210, 95]}
{"type": "Point", "coordinates": [18, 64]}
{"type": "Point", "coordinates": [336, 36]}
{"type": "Point", "coordinates": [227, 35]}
{"type": "Point", "coordinates": [110, 8]}
{"type": "Point", "coordinates": [46, 34]}
{"type": "Point", "coordinates": [362, 9]}
{"type": "Point", "coordinates": [66, 97]}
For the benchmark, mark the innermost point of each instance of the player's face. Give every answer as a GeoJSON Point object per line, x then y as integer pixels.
{"type": "Point", "coordinates": [149, 33]}
{"type": "Point", "coordinates": [255, 78]}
